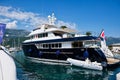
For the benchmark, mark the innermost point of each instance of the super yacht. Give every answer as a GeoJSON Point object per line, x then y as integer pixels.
{"type": "Point", "coordinates": [49, 43]}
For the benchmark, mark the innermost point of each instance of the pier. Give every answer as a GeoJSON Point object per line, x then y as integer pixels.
{"type": "Point", "coordinates": [112, 60]}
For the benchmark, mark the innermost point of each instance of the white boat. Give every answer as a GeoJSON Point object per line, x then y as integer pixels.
{"type": "Point", "coordinates": [53, 43]}
{"type": "Point", "coordinates": [7, 64]}
{"type": "Point", "coordinates": [85, 64]}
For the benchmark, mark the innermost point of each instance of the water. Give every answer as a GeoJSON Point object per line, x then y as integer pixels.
{"type": "Point", "coordinates": [27, 70]}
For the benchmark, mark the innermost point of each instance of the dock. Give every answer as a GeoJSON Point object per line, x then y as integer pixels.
{"type": "Point", "coordinates": [112, 62]}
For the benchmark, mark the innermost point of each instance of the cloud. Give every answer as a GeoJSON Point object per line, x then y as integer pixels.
{"type": "Point", "coordinates": [67, 24]}
{"type": "Point", "coordinates": [13, 13]}
{"type": "Point", "coordinates": [4, 20]}
{"type": "Point", "coordinates": [12, 25]}
{"type": "Point", "coordinates": [14, 16]}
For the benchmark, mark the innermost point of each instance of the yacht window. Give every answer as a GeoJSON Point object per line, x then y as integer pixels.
{"type": "Point", "coordinates": [39, 35]}
{"type": "Point", "coordinates": [70, 35]}
{"type": "Point", "coordinates": [56, 45]}
{"type": "Point", "coordinates": [91, 44]}
{"type": "Point", "coordinates": [60, 45]}
{"type": "Point", "coordinates": [43, 45]}
{"type": "Point", "coordinates": [53, 46]}
{"type": "Point", "coordinates": [32, 37]}
{"type": "Point", "coordinates": [57, 34]}
{"type": "Point", "coordinates": [46, 34]}
{"type": "Point", "coordinates": [77, 44]}
{"type": "Point", "coordinates": [46, 45]}
{"type": "Point", "coordinates": [43, 35]}
{"type": "Point", "coordinates": [49, 45]}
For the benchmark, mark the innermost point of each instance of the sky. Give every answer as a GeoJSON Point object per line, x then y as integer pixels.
{"type": "Point", "coordinates": [82, 15]}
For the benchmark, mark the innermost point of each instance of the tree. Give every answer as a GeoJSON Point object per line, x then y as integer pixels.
{"type": "Point", "coordinates": [88, 33]}
{"type": "Point", "coordinates": [63, 27]}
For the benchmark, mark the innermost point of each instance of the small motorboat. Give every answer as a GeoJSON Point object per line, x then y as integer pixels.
{"type": "Point", "coordinates": [85, 64]}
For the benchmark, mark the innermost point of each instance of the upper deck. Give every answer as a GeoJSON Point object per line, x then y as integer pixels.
{"type": "Point", "coordinates": [46, 28]}
{"type": "Point", "coordinates": [51, 33]}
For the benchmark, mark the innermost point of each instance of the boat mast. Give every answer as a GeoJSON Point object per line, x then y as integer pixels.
{"type": "Point", "coordinates": [52, 19]}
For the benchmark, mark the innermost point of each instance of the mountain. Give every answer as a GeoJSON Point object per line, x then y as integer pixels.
{"type": "Point", "coordinates": [16, 33]}
{"type": "Point", "coordinates": [111, 40]}
{"type": "Point", "coordinates": [14, 37]}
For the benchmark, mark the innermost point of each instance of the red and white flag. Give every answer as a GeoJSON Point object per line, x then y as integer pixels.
{"type": "Point", "coordinates": [103, 40]}
{"type": "Point", "coordinates": [102, 35]}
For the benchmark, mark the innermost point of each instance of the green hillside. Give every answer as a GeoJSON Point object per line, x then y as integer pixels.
{"type": "Point", "coordinates": [14, 37]}
{"type": "Point", "coordinates": [111, 40]}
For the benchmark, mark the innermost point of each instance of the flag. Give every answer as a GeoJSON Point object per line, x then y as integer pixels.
{"type": "Point", "coordinates": [102, 35]}
{"type": "Point", "coordinates": [2, 30]}
{"type": "Point", "coordinates": [103, 40]}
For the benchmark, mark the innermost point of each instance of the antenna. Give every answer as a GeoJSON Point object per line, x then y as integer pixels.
{"type": "Point", "coordinates": [52, 19]}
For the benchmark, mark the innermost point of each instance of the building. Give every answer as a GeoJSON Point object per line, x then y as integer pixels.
{"type": "Point", "coordinates": [115, 47]}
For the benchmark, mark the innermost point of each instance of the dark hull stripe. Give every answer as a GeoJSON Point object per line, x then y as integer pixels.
{"type": "Point", "coordinates": [62, 54]}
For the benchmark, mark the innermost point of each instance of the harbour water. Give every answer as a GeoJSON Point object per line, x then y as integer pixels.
{"type": "Point", "coordinates": [28, 70]}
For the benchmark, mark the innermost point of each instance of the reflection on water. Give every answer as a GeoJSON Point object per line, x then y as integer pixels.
{"type": "Point", "coordinates": [28, 70]}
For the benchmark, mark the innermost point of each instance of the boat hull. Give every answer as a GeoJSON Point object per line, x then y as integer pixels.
{"type": "Point", "coordinates": [30, 50]}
